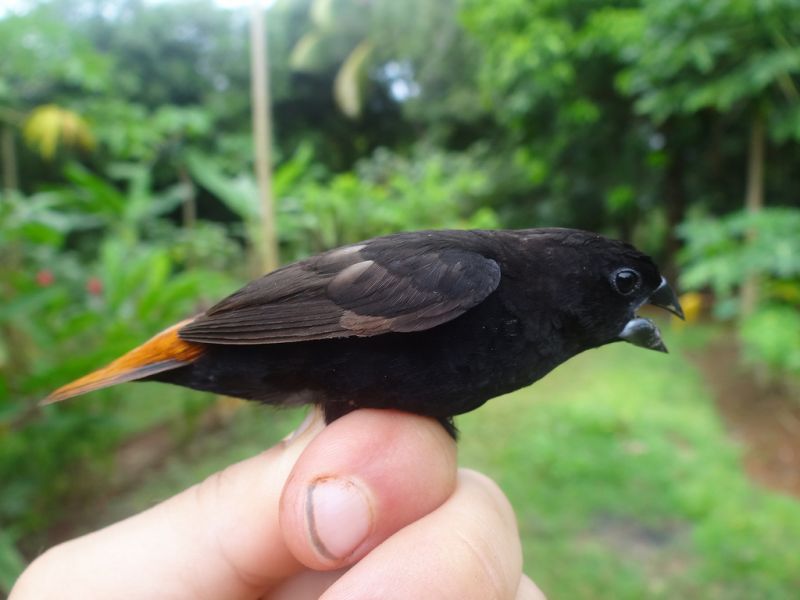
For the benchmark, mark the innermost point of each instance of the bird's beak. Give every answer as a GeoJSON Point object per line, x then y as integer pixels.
{"type": "Point", "coordinates": [643, 332]}
{"type": "Point", "coordinates": [665, 298]}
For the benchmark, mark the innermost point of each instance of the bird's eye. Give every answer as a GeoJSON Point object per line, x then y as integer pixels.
{"type": "Point", "coordinates": [626, 281]}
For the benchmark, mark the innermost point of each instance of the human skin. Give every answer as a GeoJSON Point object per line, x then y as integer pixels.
{"type": "Point", "coordinates": [371, 506]}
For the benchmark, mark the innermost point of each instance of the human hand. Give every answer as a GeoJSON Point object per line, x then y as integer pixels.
{"type": "Point", "coordinates": [371, 506]}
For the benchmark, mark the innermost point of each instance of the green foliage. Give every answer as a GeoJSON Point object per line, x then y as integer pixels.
{"type": "Point", "coordinates": [336, 27]}
{"type": "Point", "coordinates": [183, 53]}
{"type": "Point", "coordinates": [414, 50]}
{"type": "Point", "coordinates": [644, 94]}
{"type": "Point", "coordinates": [546, 73]}
{"type": "Point", "coordinates": [694, 55]}
{"type": "Point", "coordinates": [239, 192]}
{"type": "Point", "coordinates": [721, 254]}
{"type": "Point", "coordinates": [42, 56]}
{"type": "Point", "coordinates": [65, 311]}
{"type": "Point", "coordinates": [386, 193]}
{"type": "Point", "coordinates": [771, 337]}
{"type": "Point", "coordinates": [11, 562]}
{"type": "Point", "coordinates": [423, 50]}
{"type": "Point", "coordinates": [128, 212]}
{"type": "Point", "coordinates": [132, 132]}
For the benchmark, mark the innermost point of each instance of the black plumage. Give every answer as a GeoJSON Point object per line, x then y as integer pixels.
{"type": "Point", "coordinates": [434, 323]}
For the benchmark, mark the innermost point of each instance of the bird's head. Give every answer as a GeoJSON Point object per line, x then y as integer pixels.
{"type": "Point", "coordinates": [607, 283]}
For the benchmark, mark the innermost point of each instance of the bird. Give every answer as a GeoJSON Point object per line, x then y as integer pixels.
{"type": "Point", "coordinates": [429, 322]}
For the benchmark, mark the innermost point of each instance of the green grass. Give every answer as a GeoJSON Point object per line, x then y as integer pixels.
{"type": "Point", "coordinates": [624, 481]}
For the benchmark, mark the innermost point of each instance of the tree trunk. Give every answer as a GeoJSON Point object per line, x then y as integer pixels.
{"type": "Point", "coordinates": [189, 205]}
{"type": "Point", "coordinates": [262, 134]}
{"type": "Point", "coordinates": [675, 198]}
{"type": "Point", "coordinates": [188, 209]}
{"type": "Point", "coordinates": [754, 202]}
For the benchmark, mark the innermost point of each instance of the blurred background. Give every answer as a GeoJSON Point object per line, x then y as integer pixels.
{"type": "Point", "coordinates": [133, 195]}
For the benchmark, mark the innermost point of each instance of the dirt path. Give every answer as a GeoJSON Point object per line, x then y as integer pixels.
{"type": "Point", "coordinates": [765, 419]}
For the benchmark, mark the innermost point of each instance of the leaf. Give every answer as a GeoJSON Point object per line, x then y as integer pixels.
{"type": "Point", "coordinates": [620, 200]}
{"type": "Point", "coordinates": [11, 562]}
{"type": "Point", "coordinates": [305, 54]}
{"type": "Point", "coordinates": [239, 194]}
{"type": "Point", "coordinates": [347, 86]}
{"type": "Point", "coordinates": [770, 336]}
{"type": "Point", "coordinates": [291, 173]}
{"type": "Point", "coordinates": [785, 124]}
{"type": "Point", "coordinates": [50, 124]}
{"type": "Point", "coordinates": [321, 13]}
{"type": "Point", "coordinates": [96, 195]}
{"type": "Point", "coordinates": [40, 233]}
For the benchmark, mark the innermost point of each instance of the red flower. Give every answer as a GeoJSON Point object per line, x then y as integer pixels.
{"type": "Point", "coordinates": [94, 286]}
{"type": "Point", "coordinates": [45, 278]}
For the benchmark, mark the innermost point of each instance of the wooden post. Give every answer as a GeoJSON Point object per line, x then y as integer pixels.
{"type": "Point", "coordinates": [754, 202]}
{"type": "Point", "coordinates": [262, 136]}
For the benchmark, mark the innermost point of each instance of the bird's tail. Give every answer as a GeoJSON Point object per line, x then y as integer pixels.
{"type": "Point", "coordinates": [162, 352]}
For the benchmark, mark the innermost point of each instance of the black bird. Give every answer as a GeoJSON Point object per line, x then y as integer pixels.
{"type": "Point", "coordinates": [431, 322]}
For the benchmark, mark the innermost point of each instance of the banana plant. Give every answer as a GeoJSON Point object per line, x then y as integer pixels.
{"type": "Point", "coordinates": [338, 35]}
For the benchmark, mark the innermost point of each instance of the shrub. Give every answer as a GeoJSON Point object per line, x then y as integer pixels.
{"type": "Point", "coordinates": [721, 254]}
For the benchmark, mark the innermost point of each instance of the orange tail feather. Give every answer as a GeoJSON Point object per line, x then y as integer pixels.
{"type": "Point", "coordinates": [162, 352]}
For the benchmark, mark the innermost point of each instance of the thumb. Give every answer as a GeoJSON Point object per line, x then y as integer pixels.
{"type": "Point", "coordinates": [368, 475]}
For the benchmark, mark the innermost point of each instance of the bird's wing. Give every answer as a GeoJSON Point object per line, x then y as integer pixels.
{"type": "Point", "coordinates": [359, 290]}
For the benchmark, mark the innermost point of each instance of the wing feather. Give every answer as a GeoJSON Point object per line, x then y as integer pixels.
{"type": "Point", "coordinates": [358, 290]}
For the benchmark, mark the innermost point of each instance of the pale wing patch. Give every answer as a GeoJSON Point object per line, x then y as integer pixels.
{"type": "Point", "coordinates": [349, 276]}
{"type": "Point", "coordinates": [340, 253]}
{"type": "Point", "coordinates": [362, 324]}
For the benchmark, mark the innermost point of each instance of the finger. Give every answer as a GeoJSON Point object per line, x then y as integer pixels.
{"type": "Point", "coordinates": [349, 492]}
{"type": "Point", "coordinates": [218, 539]}
{"type": "Point", "coordinates": [305, 585]}
{"type": "Point", "coordinates": [528, 590]}
{"type": "Point", "coordinates": [467, 549]}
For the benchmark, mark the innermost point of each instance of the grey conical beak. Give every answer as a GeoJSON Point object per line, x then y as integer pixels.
{"type": "Point", "coordinates": [643, 332]}
{"type": "Point", "coordinates": [665, 298]}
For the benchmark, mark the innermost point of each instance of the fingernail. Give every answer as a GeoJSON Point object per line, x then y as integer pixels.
{"type": "Point", "coordinates": [338, 517]}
